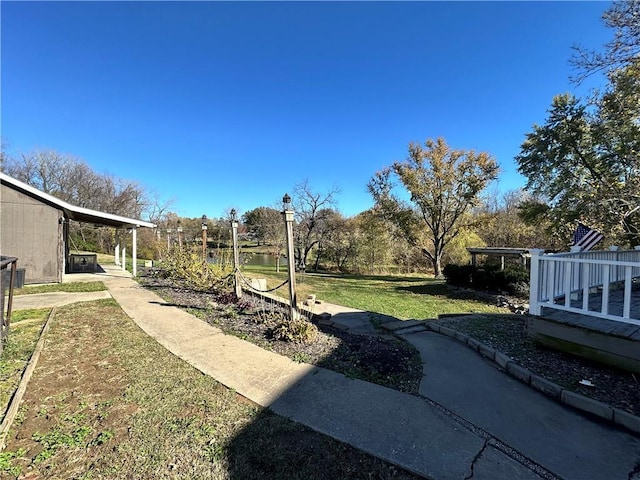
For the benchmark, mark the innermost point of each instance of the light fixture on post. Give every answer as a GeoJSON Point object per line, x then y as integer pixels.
{"type": "Point", "coordinates": [236, 256]}
{"type": "Point", "coordinates": [288, 213]}
{"type": "Point", "coordinates": [204, 238]}
{"type": "Point", "coordinates": [168, 238]}
{"type": "Point", "coordinates": [179, 234]}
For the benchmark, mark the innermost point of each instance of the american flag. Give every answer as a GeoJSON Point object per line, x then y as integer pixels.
{"type": "Point", "coordinates": [586, 237]}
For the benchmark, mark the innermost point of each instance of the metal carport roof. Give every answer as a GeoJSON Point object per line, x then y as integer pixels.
{"type": "Point", "coordinates": [74, 212]}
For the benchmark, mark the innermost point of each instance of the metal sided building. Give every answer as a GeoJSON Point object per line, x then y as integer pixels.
{"type": "Point", "coordinates": [34, 228]}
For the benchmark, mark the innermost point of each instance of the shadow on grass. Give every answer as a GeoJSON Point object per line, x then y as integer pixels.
{"type": "Point", "coordinates": [441, 289]}
{"type": "Point", "coordinates": [341, 276]}
{"type": "Point", "coordinates": [378, 278]}
{"type": "Point", "coordinates": [186, 307]}
{"type": "Point", "coordinates": [272, 447]}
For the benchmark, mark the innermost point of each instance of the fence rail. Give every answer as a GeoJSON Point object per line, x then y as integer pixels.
{"type": "Point", "coordinates": [8, 265]}
{"type": "Point", "coordinates": [569, 281]}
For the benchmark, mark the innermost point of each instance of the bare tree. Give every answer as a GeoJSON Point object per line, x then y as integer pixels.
{"type": "Point", "coordinates": [624, 18]}
{"type": "Point", "coordinates": [312, 210]}
{"type": "Point", "coordinates": [72, 180]}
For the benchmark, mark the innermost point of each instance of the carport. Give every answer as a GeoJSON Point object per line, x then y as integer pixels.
{"type": "Point", "coordinates": [34, 227]}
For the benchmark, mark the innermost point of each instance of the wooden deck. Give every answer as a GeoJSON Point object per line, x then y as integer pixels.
{"type": "Point", "coordinates": [606, 341]}
{"type": "Point", "coordinates": [609, 327]}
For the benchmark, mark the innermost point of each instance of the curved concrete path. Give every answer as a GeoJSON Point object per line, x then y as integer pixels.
{"type": "Point", "coordinates": [475, 422]}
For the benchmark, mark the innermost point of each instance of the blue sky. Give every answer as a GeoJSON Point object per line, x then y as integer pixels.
{"type": "Point", "coordinates": [230, 104]}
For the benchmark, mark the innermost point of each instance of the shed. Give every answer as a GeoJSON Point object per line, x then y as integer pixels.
{"type": "Point", "coordinates": [34, 228]}
{"type": "Point", "coordinates": [502, 252]}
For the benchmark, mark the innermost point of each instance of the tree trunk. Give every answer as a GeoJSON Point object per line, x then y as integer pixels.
{"type": "Point", "coordinates": [437, 268]}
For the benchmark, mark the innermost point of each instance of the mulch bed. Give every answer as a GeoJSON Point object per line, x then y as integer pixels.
{"type": "Point", "coordinates": [386, 361]}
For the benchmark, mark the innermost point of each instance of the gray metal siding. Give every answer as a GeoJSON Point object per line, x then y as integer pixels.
{"type": "Point", "coordinates": [29, 230]}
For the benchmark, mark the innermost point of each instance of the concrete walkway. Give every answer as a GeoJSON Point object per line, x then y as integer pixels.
{"type": "Point", "coordinates": [473, 421]}
{"type": "Point", "coordinates": [55, 299]}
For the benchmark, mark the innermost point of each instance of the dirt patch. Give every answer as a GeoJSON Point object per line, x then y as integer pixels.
{"type": "Point", "coordinates": [70, 400]}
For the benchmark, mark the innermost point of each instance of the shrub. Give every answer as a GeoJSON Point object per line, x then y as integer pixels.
{"type": "Point", "coordinates": [513, 280]}
{"type": "Point", "coordinates": [199, 275]}
{"type": "Point", "coordinates": [459, 275]}
{"type": "Point", "coordinates": [296, 331]}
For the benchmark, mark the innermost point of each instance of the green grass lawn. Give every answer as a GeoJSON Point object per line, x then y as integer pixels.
{"type": "Point", "coordinates": [73, 287]}
{"type": "Point", "coordinates": [404, 297]}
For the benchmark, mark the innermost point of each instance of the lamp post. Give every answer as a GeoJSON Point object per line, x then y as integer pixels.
{"type": "Point", "coordinates": [168, 239]}
{"type": "Point", "coordinates": [236, 256]}
{"type": "Point", "coordinates": [179, 234]}
{"type": "Point", "coordinates": [287, 213]}
{"type": "Point", "coordinates": [204, 238]}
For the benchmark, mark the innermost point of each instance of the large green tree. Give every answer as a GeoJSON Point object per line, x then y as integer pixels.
{"type": "Point", "coordinates": [443, 185]}
{"type": "Point", "coordinates": [583, 162]}
{"type": "Point", "coordinates": [264, 224]}
{"type": "Point", "coordinates": [376, 242]}
{"type": "Point", "coordinates": [500, 223]}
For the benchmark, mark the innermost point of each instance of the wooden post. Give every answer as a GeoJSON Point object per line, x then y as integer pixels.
{"type": "Point", "coordinates": [204, 238]}
{"type": "Point", "coordinates": [236, 256]}
{"type": "Point", "coordinates": [287, 213]}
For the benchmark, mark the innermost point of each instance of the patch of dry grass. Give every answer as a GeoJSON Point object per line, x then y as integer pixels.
{"type": "Point", "coordinates": [23, 336]}
{"type": "Point", "coordinates": [73, 287]}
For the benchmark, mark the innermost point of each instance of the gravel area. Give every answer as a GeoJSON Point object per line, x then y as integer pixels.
{"type": "Point", "coordinates": [508, 334]}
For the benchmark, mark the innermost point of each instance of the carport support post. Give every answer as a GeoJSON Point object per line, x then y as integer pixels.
{"type": "Point", "coordinates": [236, 256]}
{"type": "Point", "coordinates": [124, 253]}
{"type": "Point", "coordinates": [117, 252]}
{"type": "Point", "coordinates": [134, 250]}
{"type": "Point", "coordinates": [287, 213]}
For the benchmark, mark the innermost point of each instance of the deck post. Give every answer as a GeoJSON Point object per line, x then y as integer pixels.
{"type": "Point", "coordinates": [534, 281]}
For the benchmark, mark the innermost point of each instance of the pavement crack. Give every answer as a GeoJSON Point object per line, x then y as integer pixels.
{"type": "Point", "coordinates": [475, 459]}
{"type": "Point", "coordinates": [490, 440]}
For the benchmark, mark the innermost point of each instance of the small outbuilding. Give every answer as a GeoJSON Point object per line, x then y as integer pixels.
{"type": "Point", "coordinates": [34, 227]}
{"type": "Point", "coordinates": [522, 254]}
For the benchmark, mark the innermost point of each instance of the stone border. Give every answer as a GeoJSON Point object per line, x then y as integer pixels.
{"type": "Point", "coordinates": [551, 389]}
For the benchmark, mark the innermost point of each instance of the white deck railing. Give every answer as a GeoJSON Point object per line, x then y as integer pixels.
{"type": "Point", "coordinates": [557, 279]}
